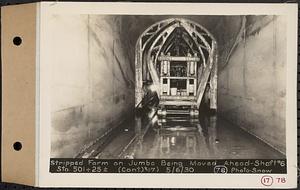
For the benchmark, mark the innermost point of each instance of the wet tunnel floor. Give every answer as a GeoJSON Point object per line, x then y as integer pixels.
{"type": "Point", "coordinates": [180, 137]}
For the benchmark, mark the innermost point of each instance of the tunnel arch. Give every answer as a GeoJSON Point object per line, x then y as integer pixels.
{"type": "Point", "coordinates": [159, 38]}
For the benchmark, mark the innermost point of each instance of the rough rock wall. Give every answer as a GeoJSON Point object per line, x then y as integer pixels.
{"type": "Point", "coordinates": [251, 88]}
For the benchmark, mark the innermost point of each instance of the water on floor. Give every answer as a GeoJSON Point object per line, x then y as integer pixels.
{"type": "Point", "coordinates": [183, 137]}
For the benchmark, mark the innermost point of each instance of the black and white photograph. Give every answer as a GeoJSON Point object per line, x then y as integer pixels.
{"type": "Point", "coordinates": [169, 93]}
{"type": "Point", "coordinates": [169, 87]}
{"type": "Point", "coordinates": [150, 95]}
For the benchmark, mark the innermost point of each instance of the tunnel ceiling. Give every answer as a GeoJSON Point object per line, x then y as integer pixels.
{"type": "Point", "coordinates": [225, 29]}
{"type": "Point", "coordinates": [176, 37]}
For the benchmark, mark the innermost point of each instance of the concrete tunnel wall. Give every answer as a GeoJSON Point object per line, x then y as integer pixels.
{"type": "Point", "coordinates": [93, 84]}
{"type": "Point", "coordinates": [93, 77]}
{"type": "Point", "coordinates": [252, 88]}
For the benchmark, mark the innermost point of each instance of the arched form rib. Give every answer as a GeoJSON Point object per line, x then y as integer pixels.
{"type": "Point", "coordinates": [158, 37]}
{"type": "Point", "coordinates": [161, 49]}
{"type": "Point", "coordinates": [150, 61]}
{"type": "Point", "coordinates": [201, 52]}
{"type": "Point", "coordinates": [160, 25]}
{"type": "Point", "coordinates": [190, 30]}
{"type": "Point", "coordinates": [169, 43]}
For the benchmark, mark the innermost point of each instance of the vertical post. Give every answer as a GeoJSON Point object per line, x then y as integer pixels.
{"type": "Point", "coordinates": [188, 86]}
{"type": "Point", "coordinates": [168, 93]}
{"type": "Point", "coordinates": [195, 80]}
{"type": "Point", "coordinates": [138, 75]}
{"type": "Point", "coordinates": [214, 81]}
{"type": "Point", "coordinates": [168, 66]}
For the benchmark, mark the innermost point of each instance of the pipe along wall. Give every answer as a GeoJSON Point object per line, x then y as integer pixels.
{"type": "Point", "coordinates": [93, 78]}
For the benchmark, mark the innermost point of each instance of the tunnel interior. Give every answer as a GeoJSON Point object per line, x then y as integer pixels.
{"type": "Point", "coordinates": [95, 105]}
{"type": "Point", "coordinates": [177, 57]}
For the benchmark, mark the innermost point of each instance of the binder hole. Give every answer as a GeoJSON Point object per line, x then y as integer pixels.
{"type": "Point", "coordinates": [17, 146]}
{"type": "Point", "coordinates": [17, 40]}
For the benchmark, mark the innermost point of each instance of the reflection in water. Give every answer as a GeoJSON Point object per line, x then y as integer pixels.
{"type": "Point", "coordinates": [174, 136]}
{"type": "Point", "coordinates": [182, 137]}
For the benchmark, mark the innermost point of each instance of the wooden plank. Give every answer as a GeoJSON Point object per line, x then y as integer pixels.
{"type": "Point", "coordinates": [213, 85]}
{"type": "Point", "coordinates": [138, 75]}
{"type": "Point", "coordinates": [177, 58]}
{"type": "Point", "coordinates": [178, 103]}
{"type": "Point", "coordinates": [165, 97]}
{"type": "Point", "coordinates": [205, 76]}
{"type": "Point", "coordinates": [183, 78]}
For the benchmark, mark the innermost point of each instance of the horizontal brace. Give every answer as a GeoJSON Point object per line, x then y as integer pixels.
{"type": "Point", "coordinates": [171, 58]}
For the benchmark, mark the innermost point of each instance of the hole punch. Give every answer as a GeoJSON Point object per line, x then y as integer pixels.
{"type": "Point", "coordinates": [17, 146]}
{"type": "Point", "coordinates": [17, 40]}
